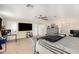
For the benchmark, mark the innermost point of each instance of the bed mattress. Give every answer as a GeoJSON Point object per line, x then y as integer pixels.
{"type": "Point", "coordinates": [67, 45]}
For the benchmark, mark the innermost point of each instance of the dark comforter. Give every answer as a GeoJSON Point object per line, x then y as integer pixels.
{"type": "Point", "coordinates": [51, 38]}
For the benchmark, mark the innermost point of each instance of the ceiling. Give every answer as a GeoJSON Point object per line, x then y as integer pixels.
{"type": "Point", "coordinates": [52, 11]}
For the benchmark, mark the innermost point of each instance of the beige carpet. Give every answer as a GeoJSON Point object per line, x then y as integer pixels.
{"type": "Point", "coordinates": [22, 46]}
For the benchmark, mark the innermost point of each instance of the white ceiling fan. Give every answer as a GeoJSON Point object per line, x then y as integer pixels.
{"type": "Point", "coordinates": [29, 5]}
{"type": "Point", "coordinates": [42, 17]}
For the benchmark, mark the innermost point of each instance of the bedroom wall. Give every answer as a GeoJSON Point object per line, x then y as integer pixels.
{"type": "Point", "coordinates": [39, 28]}
{"type": "Point", "coordinates": [13, 25]}
{"type": "Point", "coordinates": [66, 24]}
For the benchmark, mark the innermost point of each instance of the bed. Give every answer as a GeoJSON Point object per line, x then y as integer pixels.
{"type": "Point", "coordinates": [66, 45]}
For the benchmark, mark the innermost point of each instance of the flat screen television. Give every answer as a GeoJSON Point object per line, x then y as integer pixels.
{"type": "Point", "coordinates": [24, 26]}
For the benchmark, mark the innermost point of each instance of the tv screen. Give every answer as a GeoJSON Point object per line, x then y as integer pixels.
{"type": "Point", "coordinates": [24, 26]}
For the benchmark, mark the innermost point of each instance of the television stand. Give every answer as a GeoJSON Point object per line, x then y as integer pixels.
{"type": "Point", "coordinates": [13, 35]}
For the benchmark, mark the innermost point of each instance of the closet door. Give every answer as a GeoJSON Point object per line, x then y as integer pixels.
{"type": "Point", "coordinates": [0, 23]}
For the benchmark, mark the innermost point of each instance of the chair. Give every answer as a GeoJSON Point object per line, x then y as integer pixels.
{"type": "Point", "coordinates": [3, 41]}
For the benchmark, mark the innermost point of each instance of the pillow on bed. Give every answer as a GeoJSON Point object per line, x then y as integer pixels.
{"type": "Point", "coordinates": [52, 38]}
